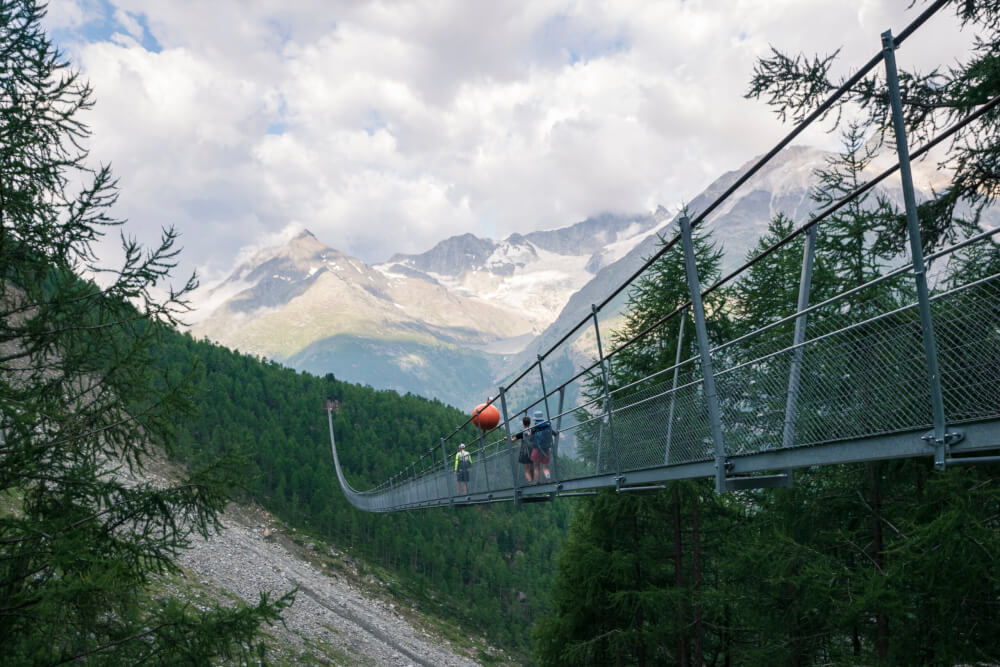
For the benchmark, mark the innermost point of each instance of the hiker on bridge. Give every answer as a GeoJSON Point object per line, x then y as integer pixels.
{"type": "Point", "coordinates": [524, 456]}
{"type": "Point", "coordinates": [541, 435]}
{"type": "Point", "coordinates": [463, 462]}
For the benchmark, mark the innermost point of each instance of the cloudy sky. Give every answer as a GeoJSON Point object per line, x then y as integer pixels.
{"type": "Point", "coordinates": [386, 127]}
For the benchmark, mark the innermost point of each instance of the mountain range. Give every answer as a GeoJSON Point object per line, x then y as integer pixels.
{"type": "Point", "coordinates": [418, 323]}
{"type": "Point", "coordinates": [453, 322]}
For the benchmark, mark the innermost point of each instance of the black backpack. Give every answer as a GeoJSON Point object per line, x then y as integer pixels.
{"type": "Point", "coordinates": [543, 436]}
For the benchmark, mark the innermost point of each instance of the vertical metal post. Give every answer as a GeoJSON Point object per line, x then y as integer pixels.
{"type": "Point", "coordinates": [555, 439]}
{"type": "Point", "coordinates": [411, 485]}
{"type": "Point", "coordinates": [916, 250]}
{"type": "Point", "coordinates": [452, 487]}
{"type": "Point", "coordinates": [795, 369]}
{"type": "Point", "coordinates": [510, 443]}
{"type": "Point", "coordinates": [548, 416]}
{"type": "Point", "coordinates": [795, 372]}
{"type": "Point", "coordinates": [600, 440]}
{"type": "Point", "coordinates": [482, 459]}
{"type": "Point", "coordinates": [607, 398]}
{"type": "Point", "coordinates": [673, 391]}
{"type": "Point", "coordinates": [701, 333]}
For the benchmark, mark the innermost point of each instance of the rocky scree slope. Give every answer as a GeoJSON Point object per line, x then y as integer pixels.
{"type": "Point", "coordinates": [339, 616]}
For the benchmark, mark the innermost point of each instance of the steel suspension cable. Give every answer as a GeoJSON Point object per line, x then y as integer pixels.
{"type": "Point", "coordinates": [830, 210]}
{"type": "Point", "coordinates": [817, 113]}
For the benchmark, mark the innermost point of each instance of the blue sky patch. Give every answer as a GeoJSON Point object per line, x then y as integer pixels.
{"type": "Point", "coordinates": [564, 40]}
{"type": "Point", "coordinates": [99, 25]}
{"type": "Point", "coordinates": [374, 122]}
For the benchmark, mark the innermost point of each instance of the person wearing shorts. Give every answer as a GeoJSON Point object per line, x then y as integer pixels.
{"type": "Point", "coordinates": [463, 461]}
{"type": "Point", "coordinates": [539, 459]}
{"type": "Point", "coordinates": [524, 456]}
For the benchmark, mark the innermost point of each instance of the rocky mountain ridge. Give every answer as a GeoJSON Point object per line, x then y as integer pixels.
{"type": "Point", "coordinates": [470, 311]}
{"type": "Point", "coordinates": [419, 321]}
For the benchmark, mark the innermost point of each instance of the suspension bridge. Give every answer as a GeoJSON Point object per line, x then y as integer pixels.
{"type": "Point", "coordinates": [905, 365]}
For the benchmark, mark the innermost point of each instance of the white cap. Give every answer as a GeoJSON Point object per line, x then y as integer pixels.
{"type": "Point", "coordinates": [462, 446]}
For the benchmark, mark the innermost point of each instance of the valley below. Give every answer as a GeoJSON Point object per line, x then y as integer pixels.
{"type": "Point", "coordinates": [344, 611]}
{"type": "Point", "coordinates": [339, 616]}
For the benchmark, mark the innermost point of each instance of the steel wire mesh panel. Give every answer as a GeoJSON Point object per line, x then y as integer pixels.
{"type": "Point", "coordinates": [967, 329]}
{"type": "Point", "coordinates": [587, 431]}
{"type": "Point", "coordinates": [691, 435]}
{"type": "Point", "coordinates": [444, 482]}
{"type": "Point", "coordinates": [752, 400]}
{"type": "Point", "coordinates": [644, 437]}
{"type": "Point", "coordinates": [493, 473]}
{"type": "Point", "coordinates": [864, 380]}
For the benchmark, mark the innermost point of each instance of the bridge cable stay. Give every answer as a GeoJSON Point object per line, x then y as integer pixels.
{"type": "Point", "coordinates": [854, 385]}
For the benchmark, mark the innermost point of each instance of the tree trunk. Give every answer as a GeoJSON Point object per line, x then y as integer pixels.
{"type": "Point", "coordinates": [640, 649]}
{"type": "Point", "coordinates": [795, 658]}
{"type": "Point", "coordinates": [682, 645]}
{"type": "Point", "coordinates": [726, 638]}
{"type": "Point", "coordinates": [878, 557]}
{"type": "Point", "coordinates": [699, 639]}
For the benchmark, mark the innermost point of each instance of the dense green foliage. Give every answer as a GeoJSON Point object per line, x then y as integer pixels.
{"type": "Point", "coordinates": [855, 564]}
{"type": "Point", "coordinates": [81, 407]}
{"type": "Point", "coordinates": [878, 563]}
{"type": "Point", "coordinates": [886, 562]}
{"type": "Point", "coordinates": [471, 563]}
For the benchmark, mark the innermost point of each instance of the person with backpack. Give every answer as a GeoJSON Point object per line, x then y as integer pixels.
{"type": "Point", "coordinates": [542, 435]}
{"type": "Point", "coordinates": [524, 456]}
{"type": "Point", "coordinates": [463, 462]}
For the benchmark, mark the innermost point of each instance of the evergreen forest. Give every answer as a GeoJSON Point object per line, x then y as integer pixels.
{"type": "Point", "coordinates": [488, 567]}
{"type": "Point", "coordinates": [874, 563]}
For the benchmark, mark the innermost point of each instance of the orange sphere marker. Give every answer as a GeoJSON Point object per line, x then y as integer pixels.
{"type": "Point", "coordinates": [485, 416]}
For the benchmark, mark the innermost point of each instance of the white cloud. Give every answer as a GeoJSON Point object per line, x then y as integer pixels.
{"type": "Point", "coordinates": [130, 24]}
{"type": "Point", "coordinates": [386, 127]}
{"type": "Point", "coordinates": [65, 14]}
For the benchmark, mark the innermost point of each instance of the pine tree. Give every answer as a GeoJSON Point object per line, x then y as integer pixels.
{"type": "Point", "coordinates": [657, 293]}
{"type": "Point", "coordinates": [646, 343]}
{"type": "Point", "coordinates": [932, 102]}
{"type": "Point", "coordinates": [870, 528]}
{"type": "Point", "coordinates": [629, 590]}
{"type": "Point", "coordinates": [81, 412]}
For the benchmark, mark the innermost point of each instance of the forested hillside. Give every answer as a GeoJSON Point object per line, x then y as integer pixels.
{"type": "Point", "coordinates": [489, 566]}
{"type": "Point", "coordinates": [884, 562]}
{"type": "Point", "coordinates": [82, 547]}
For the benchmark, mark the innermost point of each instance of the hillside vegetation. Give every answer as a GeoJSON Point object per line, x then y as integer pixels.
{"type": "Point", "coordinates": [488, 566]}
{"type": "Point", "coordinates": [879, 563]}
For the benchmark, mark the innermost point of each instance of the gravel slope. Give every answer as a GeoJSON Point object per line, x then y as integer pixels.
{"type": "Point", "coordinates": [331, 622]}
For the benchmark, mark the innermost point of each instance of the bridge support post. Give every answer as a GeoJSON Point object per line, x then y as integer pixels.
{"type": "Point", "coordinates": [453, 484]}
{"type": "Point", "coordinates": [482, 459]}
{"type": "Point", "coordinates": [701, 334]}
{"type": "Point", "coordinates": [795, 371]}
{"type": "Point", "coordinates": [556, 436]}
{"type": "Point", "coordinates": [545, 396]}
{"type": "Point", "coordinates": [412, 483]}
{"type": "Point", "coordinates": [673, 391]}
{"type": "Point", "coordinates": [510, 443]}
{"type": "Point", "coordinates": [940, 438]}
{"type": "Point", "coordinates": [607, 401]}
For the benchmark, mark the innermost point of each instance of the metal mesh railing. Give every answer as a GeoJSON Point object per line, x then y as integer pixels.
{"type": "Point", "coordinates": [863, 373]}
{"type": "Point", "coordinates": [855, 367]}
